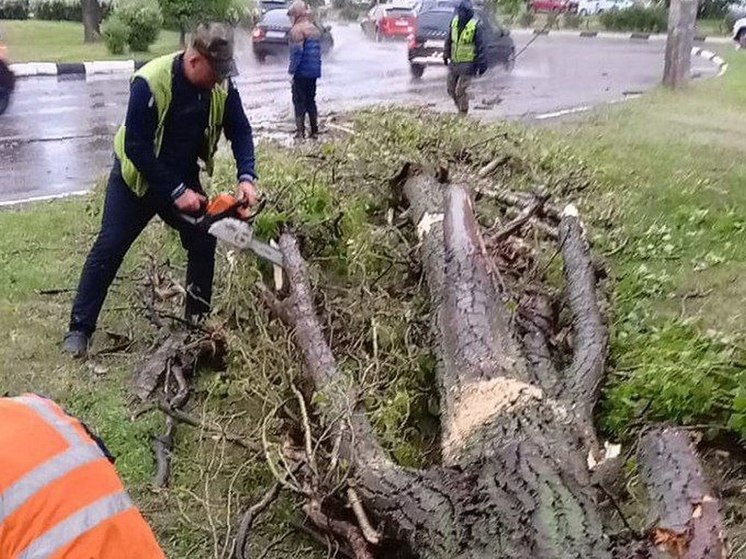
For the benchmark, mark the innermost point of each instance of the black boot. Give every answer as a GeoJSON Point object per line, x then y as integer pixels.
{"type": "Point", "coordinates": [300, 128]}
{"type": "Point", "coordinates": [314, 127]}
{"type": "Point", "coordinates": [76, 344]}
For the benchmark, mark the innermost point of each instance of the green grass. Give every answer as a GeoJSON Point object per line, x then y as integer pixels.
{"type": "Point", "coordinates": [62, 41]}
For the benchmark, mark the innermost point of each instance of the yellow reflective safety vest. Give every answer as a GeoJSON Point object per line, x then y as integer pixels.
{"type": "Point", "coordinates": [463, 47]}
{"type": "Point", "coordinates": [158, 74]}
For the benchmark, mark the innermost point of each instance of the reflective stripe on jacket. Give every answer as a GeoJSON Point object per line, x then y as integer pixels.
{"type": "Point", "coordinates": [463, 46]}
{"type": "Point", "coordinates": [158, 74]}
{"type": "Point", "coordinates": [60, 497]}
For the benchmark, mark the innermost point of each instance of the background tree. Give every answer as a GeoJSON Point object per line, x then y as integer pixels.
{"type": "Point", "coordinates": [91, 20]}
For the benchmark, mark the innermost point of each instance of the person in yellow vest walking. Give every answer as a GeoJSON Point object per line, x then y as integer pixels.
{"type": "Point", "coordinates": [60, 495]}
{"type": "Point", "coordinates": [180, 105]}
{"type": "Point", "coordinates": [464, 54]}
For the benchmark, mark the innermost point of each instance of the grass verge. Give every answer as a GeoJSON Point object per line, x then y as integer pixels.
{"type": "Point", "coordinates": [62, 41]}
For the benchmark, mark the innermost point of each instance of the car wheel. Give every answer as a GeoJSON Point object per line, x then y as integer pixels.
{"type": "Point", "coordinates": [4, 100]}
{"type": "Point", "coordinates": [260, 57]}
{"type": "Point", "coordinates": [417, 70]}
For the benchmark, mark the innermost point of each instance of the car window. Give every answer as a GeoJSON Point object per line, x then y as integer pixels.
{"type": "Point", "coordinates": [276, 17]}
{"type": "Point", "coordinates": [434, 21]}
{"type": "Point", "coordinates": [399, 12]}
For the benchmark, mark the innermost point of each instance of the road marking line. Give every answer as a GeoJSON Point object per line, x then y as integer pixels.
{"type": "Point", "coordinates": [563, 112]}
{"type": "Point", "coordinates": [10, 203]}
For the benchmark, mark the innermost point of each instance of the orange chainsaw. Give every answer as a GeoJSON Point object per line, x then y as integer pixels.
{"type": "Point", "coordinates": [220, 218]}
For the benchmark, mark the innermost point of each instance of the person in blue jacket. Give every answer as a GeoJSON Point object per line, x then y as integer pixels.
{"type": "Point", "coordinates": [305, 67]}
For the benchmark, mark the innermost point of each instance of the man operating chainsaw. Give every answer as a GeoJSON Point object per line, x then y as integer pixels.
{"type": "Point", "coordinates": [179, 106]}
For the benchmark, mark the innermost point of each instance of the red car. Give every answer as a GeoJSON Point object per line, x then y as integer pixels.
{"type": "Point", "coordinates": [556, 6]}
{"type": "Point", "coordinates": [389, 22]}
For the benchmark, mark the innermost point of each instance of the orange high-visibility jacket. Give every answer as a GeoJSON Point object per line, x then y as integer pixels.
{"type": "Point", "coordinates": [60, 497]}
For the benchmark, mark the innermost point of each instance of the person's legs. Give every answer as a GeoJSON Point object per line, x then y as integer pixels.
{"type": "Point", "coordinates": [462, 93]}
{"type": "Point", "coordinates": [200, 247]}
{"type": "Point", "coordinates": [451, 84]}
{"type": "Point", "coordinates": [125, 216]}
{"type": "Point", "coordinates": [299, 107]}
{"type": "Point", "coordinates": [313, 115]}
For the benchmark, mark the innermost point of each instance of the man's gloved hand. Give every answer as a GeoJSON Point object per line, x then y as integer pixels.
{"type": "Point", "coordinates": [246, 190]}
{"type": "Point", "coordinates": [190, 202]}
{"type": "Point", "coordinates": [446, 60]}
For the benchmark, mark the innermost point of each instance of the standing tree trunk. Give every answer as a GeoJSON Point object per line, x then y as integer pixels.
{"type": "Point", "coordinates": [682, 15]}
{"type": "Point", "coordinates": [517, 429]}
{"type": "Point", "coordinates": [91, 20]}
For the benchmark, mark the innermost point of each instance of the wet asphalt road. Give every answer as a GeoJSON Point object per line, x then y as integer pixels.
{"type": "Point", "coordinates": [56, 137]}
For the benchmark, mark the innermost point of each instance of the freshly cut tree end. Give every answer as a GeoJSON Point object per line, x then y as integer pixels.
{"type": "Point", "coordinates": [686, 522]}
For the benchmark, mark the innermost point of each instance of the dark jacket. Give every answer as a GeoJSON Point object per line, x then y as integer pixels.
{"type": "Point", "coordinates": [465, 12]}
{"type": "Point", "coordinates": [177, 167]}
{"type": "Point", "coordinates": [305, 49]}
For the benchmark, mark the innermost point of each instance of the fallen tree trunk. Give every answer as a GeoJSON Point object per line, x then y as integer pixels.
{"type": "Point", "coordinates": [515, 480]}
{"type": "Point", "coordinates": [684, 515]}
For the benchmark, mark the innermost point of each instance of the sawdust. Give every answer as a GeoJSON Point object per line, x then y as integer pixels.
{"type": "Point", "coordinates": [478, 402]}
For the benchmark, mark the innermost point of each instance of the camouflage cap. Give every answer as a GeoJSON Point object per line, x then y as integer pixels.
{"type": "Point", "coordinates": [215, 42]}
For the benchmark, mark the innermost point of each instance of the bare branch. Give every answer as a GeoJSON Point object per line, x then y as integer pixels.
{"type": "Point", "coordinates": [586, 372]}
{"type": "Point", "coordinates": [250, 516]}
{"type": "Point", "coordinates": [342, 529]}
{"type": "Point", "coordinates": [370, 533]}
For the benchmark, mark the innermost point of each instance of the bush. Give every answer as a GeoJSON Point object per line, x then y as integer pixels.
{"type": "Point", "coordinates": [644, 20]}
{"type": "Point", "coordinates": [116, 33]}
{"type": "Point", "coordinates": [14, 9]}
{"type": "Point", "coordinates": [144, 20]}
{"type": "Point", "coordinates": [571, 21]}
{"type": "Point", "coordinates": [527, 19]}
{"type": "Point", "coordinates": [58, 10]}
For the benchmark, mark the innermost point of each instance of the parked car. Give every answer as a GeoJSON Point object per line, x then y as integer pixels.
{"type": "Point", "coordinates": [593, 7]}
{"type": "Point", "coordinates": [556, 6]}
{"type": "Point", "coordinates": [736, 10]}
{"type": "Point", "coordinates": [7, 80]}
{"type": "Point", "coordinates": [426, 5]}
{"type": "Point", "coordinates": [426, 44]}
{"type": "Point", "coordinates": [387, 21]}
{"type": "Point", "coordinates": [739, 32]}
{"type": "Point", "coordinates": [270, 35]}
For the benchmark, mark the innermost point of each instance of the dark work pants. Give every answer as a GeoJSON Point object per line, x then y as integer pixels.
{"type": "Point", "coordinates": [304, 101]}
{"type": "Point", "coordinates": [125, 216]}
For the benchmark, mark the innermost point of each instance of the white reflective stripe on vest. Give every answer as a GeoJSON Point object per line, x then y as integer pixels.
{"type": "Point", "coordinates": [43, 475]}
{"type": "Point", "coordinates": [76, 525]}
{"type": "Point", "coordinates": [48, 413]}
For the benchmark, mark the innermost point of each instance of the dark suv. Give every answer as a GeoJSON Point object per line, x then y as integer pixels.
{"type": "Point", "coordinates": [427, 43]}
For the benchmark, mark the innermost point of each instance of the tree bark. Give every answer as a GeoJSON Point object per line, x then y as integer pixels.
{"type": "Point", "coordinates": [684, 513]}
{"type": "Point", "coordinates": [91, 20]}
{"type": "Point", "coordinates": [514, 481]}
{"type": "Point", "coordinates": [682, 16]}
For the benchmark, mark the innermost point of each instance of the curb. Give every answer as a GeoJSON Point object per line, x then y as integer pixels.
{"type": "Point", "coordinates": [29, 69]}
{"type": "Point", "coordinates": [613, 35]}
{"type": "Point", "coordinates": [712, 57]}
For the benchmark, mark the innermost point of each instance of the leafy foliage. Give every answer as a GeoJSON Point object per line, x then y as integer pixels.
{"type": "Point", "coordinates": [115, 32]}
{"type": "Point", "coordinates": [186, 14]}
{"type": "Point", "coordinates": [144, 20]}
{"type": "Point", "coordinates": [14, 9]}
{"type": "Point", "coordinates": [636, 18]}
